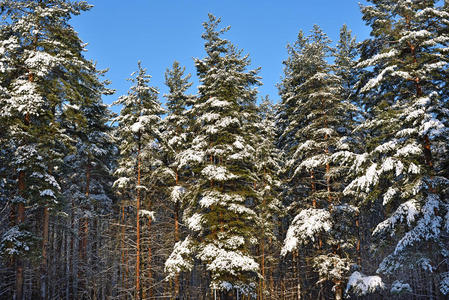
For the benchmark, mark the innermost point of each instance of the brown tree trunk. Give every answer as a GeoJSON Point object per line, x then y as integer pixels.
{"type": "Point", "coordinates": [358, 250]}
{"type": "Point", "coordinates": [44, 267]}
{"type": "Point", "coordinates": [85, 219]}
{"type": "Point", "coordinates": [138, 227]}
{"type": "Point", "coordinates": [262, 265]}
{"type": "Point", "coordinates": [296, 282]}
{"type": "Point", "coordinates": [124, 267]}
{"type": "Point", "coordinates": [150, 274]}
{"type": "Point", "coordinates": [176, 292]}
{"type": "Point", "coordinates": [313, 186]}
{"type": "Point", "coordinates": [271, 274]}
{"type": "Point", "coordinates": [20, 221]}
{"type": "Point", "coordinates": [84, 233]}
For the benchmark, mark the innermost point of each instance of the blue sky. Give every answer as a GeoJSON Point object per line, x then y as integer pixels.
{"type": "Point", "coordinates": [157, 32]}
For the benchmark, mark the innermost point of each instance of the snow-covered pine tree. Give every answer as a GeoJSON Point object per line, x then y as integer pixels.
{"type": "Point", "coordinates": [345, 64]}
{"type": "Point", "coordinates": [87, 182]}
{"type": "Point", "coordinates": [270, 208]}
{"type": "Point", "coordinates": [44, 72]}
{"type": "Point", "coordinates": [176, 133]}
{"type": "Point", "coordinates": [220, 215]}
{"type": "Point", "coordinates": [324, 118]}
{"type": "Point", "coordinates": [137, 130]}
{"type": "Point", "coordinates": [403, 167]}
{"type": "Point", "coordinates": [287, 124]}
{"type": "Point", "coordinates": [346, 54]}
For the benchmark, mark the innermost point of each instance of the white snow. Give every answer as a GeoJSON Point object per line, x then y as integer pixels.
{"type": "Point", "coordinates": [398, 287]}
{"type": "Point", "coordinates": [405, 212]}
{"type": "Point", "coordinates": [177, 193]}
{"type": "Point", "coordinates": [361, 284]}
{"type": "Point", "coordinates": [305, 226]}
{"type": "Point", "coordinates": [219, 173]}
{"type": "Point", "coordinates": [194, 222]}
{"type": "Point", "coordinates": [180, 259]}
{"type": "Point", "coordinates": [233, 262]}
{"type": "Point", "coordinates": [147, 213]}
{"type": "Point", "coordinates": [47, 193]}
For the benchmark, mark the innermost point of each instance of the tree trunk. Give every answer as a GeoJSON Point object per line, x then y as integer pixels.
{"type": "Point", "coordinates": [20, 221]}
{"type": "Point", "coordinates": [338, 291]}
{"type": "Point", "coordinates": [176, 292]}
{"type": "Point", "coordinates": [85, 219]}
{"type": "Point", "coordinates": [262, 265]}
{"type": "Point", "coordinates": [138, 227]}
{"type": "Point", "coordinates": [44, 267]}
{"type": "Point", "coordinates": [150, 275]}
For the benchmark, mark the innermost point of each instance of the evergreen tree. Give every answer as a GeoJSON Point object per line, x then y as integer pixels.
{"type": "Point", "coordinates": [269, 208]}
{"type": "Point", "coordinates": [220, 215]}
{"type": "Point", "coordinates": [345, 65]}
{"type": "Point", "coordinates": [325, 120]}
{"type": "Point", "coordinates": [86, 180]}
{"type": "Point", "coordinates": [401, 174]}
{"type": "Point", "coordinates": [176, 132]}
{"type": "Point", "coordinates": [44, 79]}
{"type": "Point", "coordinates": [137, 130]}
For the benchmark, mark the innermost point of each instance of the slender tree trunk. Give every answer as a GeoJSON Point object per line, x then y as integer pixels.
{"type": "Point", "coordinates": [19, 262]}
{"type": "Point", "coordinates": [358, 249]}
{"type": "Point", "coordinates": [85, 219]}
{"type": "Point", "coordinates": [21, 217]}
{"type": "Point", "coordinates": [150, 270]}
{"type": "Point", "coordinates": [20, 221]}
{"type": "Point", "coordinates": [271, 273]}
{"type": "Point", "coordinates": [44, 267]}
{"type": "Point", "coordinates": [138, 225]}
{"type": "Point", "coordinates": [313, 186]}
{"type": "Point", "coordinates": [262, 265]}
{"type": "Point", "coordinates": [297, 279]}
{"type": "Point", "coordinates": [84, 232]}
{"type": "Point", "coordinates": [122, 246]}
{"type": "Point", "coordinates": [176, 293]}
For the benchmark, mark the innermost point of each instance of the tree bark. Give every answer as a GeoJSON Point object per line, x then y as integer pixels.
{"type": "Point", "coordinates": [20, 221]}
{"type": "Point", "coordinates": [150, 274]}
{"type": "Point", "coordinates": [138, 226]}
{"type": "Point", "coordinates": [44, 266]}
{"type": "Point", "coordinates": [176, 292]}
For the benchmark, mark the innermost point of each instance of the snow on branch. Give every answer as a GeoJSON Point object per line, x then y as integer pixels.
{"type": "Point", "coordinates": [307, 224]}
{"type": "Point", "coordinates": [361, 285]}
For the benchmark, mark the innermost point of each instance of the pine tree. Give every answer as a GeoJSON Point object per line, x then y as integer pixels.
{"type": "Point", "coordinates": [44, 72]}
{"type": "Point", "coordinates": [323, 119]}
{"type": "Point", "coordinates": [86, 179]}
{"type": "Point", "coordinates": [178, 137]}
{"type": "Point", "coordinates": [345, 65]}
{"type": "Point", "coordinates": [401, 172]}
{"type": "Point", "coordinates": [269, 208]}
{"type": "Point", "coordinates": [138, 128]}
{"type": "Point", "coordinates": [220, 215]}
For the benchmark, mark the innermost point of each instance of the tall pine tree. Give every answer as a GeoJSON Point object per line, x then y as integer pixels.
{"type": "Point", "coordinates": [220, 215]}
{"type": "Point", "coordinates": [137, 130]}
{"type": "Point", "coordinates": [402, 171]}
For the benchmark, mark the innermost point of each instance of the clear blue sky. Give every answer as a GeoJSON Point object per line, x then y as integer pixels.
{"type": "Point", "coordinates": [157, 32]}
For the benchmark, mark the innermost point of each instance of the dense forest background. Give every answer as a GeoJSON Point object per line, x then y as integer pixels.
{"type": "Point", "coordinates": [338, 190]}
